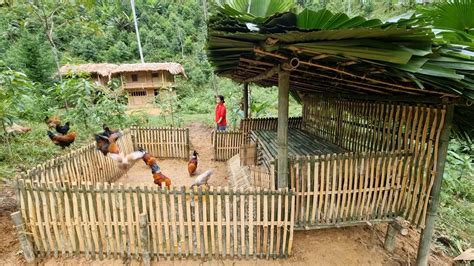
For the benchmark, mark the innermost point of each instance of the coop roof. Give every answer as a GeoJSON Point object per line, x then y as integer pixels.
{"type": "Point", "coordinates": [333, 53]}
{"type": "Point", "coordinates": [173, 68]}
{"type": "Point", "coordinates": [102, 69]}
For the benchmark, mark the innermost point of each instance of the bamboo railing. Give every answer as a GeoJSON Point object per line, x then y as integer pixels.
{"type": "Point", "coordinates": [104, 221]}
{"type": "Point", "coordinates": [163, 142]}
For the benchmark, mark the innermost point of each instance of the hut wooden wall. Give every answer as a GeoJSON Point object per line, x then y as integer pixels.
{"type": "Point", "coordinates": [363, 126]}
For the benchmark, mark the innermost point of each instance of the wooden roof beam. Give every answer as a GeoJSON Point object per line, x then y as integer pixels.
{"type": "Point", "coordinates": [267, 74]}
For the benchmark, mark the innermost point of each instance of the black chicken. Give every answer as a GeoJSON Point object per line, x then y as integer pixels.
{"type": "Point", "coordinates": [62, 129]}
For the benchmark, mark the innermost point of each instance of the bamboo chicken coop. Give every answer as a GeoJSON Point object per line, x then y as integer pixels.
{"type": "Point", "coordinates": [378, 100]}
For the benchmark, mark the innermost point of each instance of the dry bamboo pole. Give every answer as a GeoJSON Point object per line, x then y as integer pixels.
{"type": "Point", "coordinates": [25, 243]}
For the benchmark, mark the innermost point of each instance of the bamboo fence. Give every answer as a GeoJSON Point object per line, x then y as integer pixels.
{"type": "Point", "coordinates": [85, 164]}
{"type": "Point", "coordinates": [104, 221]}
{"type": "Point", "coordinates": [163, 142]}
{"type": "Point", "coordinates": [348, 189]}
{"type": "Point", "coordinates": [226, 144]}
{"type": "Point", "coordinates": [363, 126]}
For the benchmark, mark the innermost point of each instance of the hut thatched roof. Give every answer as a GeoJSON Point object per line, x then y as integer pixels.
{"type": "Point", "coordinates": [102, 69]}
{"type": "Point", "coordinates": [173, 68]}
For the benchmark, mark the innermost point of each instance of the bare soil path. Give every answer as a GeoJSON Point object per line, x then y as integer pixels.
{"type": "Point", "coordinates": [177, 170]}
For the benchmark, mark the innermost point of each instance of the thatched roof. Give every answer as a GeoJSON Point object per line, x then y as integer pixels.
{"type": "Point", "coordinates": [102, 69]}
{"type": "Point", "coordinates": [173, 68]}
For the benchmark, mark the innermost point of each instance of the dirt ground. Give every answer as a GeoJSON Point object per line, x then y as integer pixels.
{"type": "Point", "coordinates": [362, 245]}
{"type": "Point", "coordinates": [177, 170]}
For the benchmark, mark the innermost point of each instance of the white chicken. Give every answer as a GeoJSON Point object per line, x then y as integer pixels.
{"type": "Point", "coordinates": [202, 179]}
{"type": "Point", "coordinates": [125, 161]}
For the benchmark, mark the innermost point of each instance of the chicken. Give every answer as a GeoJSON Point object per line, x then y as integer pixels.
{"type": "Point", "coordinates": [107, 132]}
{"type": "Point", "coordinates": [107, 144]}
{"type": "Point", "coordinates": [125, 161]}
{"type": "Point", "coordinates": [62, 140]}
{"type": "Point", "coordinates": [62, 129]}
{"type": "Point", "coordinates": [193, 163]}
{"type": "Point", "coordinates": [17, 129]}
{"type": "Point", "coordinates": [159, 178]}
{"type": "Point", "coordinates": [202, 179]}
{"type": "Point", "coordinates": [150, 161]}
{"type": "Point", "coordinates": [52, 122]}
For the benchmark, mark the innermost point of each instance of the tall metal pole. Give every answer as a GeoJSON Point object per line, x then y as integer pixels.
{"type": "Point", "coordinates": [132, 2]}
{"type": "Point", "coordinates": [282, 133]}
{"type": "Point", "coordinates": [425, 239]}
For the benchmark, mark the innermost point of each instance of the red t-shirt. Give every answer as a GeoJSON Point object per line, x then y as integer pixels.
{"type": "Point", "coordinates": [221, 112]}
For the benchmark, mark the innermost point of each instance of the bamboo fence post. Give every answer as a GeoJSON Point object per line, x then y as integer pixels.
{"type": "Point", "coordinates": [26, 246]}
{"type": "Point", "coordinates": [144, 238]}
{"type": "Point", "coordinates": [425, 239]}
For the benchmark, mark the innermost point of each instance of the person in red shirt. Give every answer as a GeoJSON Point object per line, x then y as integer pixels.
{"type": "Point", "coordinates": [220, 113]}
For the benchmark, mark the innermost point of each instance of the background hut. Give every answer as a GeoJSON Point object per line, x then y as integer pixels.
{"type": "Point", "coordinates": [145, 81]}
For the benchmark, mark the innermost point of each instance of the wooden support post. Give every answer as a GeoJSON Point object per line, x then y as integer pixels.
{"type": "Point", "coordinates": [282, 133]}
{"type": "Point", "coordinates": [425, 239]}
{"type": "Point", "coordinates": [144, 237]}
{"type": "Point", "coordinates": [246, 100]}
{"type": "Point", "coordinates": [25, 243]}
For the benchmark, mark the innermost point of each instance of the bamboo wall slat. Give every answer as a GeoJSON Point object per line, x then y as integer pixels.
{"type": "Point", "coordinates": [363, 126]}
{"type": "Point", "coordinates": [226, 144]}
{"type": "Point", "coordinates": [346, 189]}
{"type": "Point", "coordinates": [104, 220]}
{"type": "Point", "coordinates": [163, 142]}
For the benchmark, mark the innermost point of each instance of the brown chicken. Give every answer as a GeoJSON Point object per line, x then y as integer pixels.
{"type": "Point", "coordinates": [159, 178]}
{"type": "Point", "coordinates": [107, 144]}
{"type": "Point", "coordinates": [193, 163]}
{"type": "Point", "coordinates": [62, 140]}
{"type": "Point", "coordinates": [52, 122]}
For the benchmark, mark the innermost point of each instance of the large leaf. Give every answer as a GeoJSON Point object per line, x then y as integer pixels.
{"type": "Point", "coordinates": [255, 10]}
{"type": "Point", "coordinates": [324, 19]}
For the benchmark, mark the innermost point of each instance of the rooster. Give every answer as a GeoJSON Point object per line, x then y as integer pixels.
{"type": "Point", "coordinates": [62, 129]}
{"type": "Point", "coordinates": [52, 122]}
{"type": "Point", "coordinates": [159, 178]}
{"type": "Point", "coordinates": [62, 140]}
{"type": "Point", "coordinates": [202, 179]}
{"type": "Point", "coordinates": [193, 163]}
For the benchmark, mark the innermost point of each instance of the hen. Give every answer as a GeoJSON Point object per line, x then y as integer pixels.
{"type": "Point", "coordinates": [202, 179]}
{"type": "Point", "coordinates": [62, 129]}
{"type": "Point", "coordinates": [62, 140]}
{"type": "Point", "coordinates": [193, 163]}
